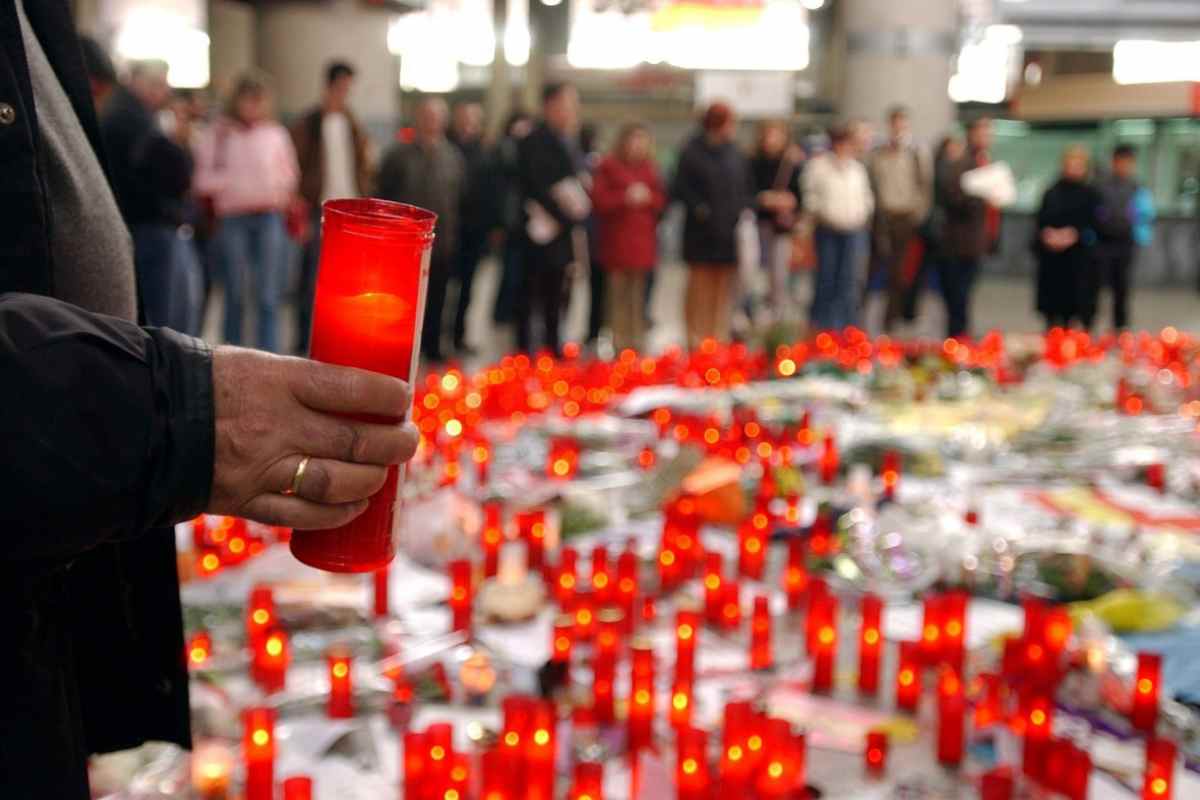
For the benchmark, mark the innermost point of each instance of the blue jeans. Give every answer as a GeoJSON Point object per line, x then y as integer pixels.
{"type": "Point", "coordinates": [169, 277]}
{"type": "Point", "coordinates": [839, 256]}
{"type": "Point", "coordinates": [253, 247]}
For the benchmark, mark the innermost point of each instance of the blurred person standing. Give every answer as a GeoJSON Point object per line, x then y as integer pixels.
{"type": "Point", "coordinates": [949, 152]}
{"type": "Point", "coordinates": [246, 165]}
{"type": "Point", "coordinates": [478, 214]}
{"type": "Point", "coordinates": [1126, 217]}
{"type": "Point", "coordinates": [504, 181]}
{"type": "Point", "coordinates": [429, 172]}
{"type": "Point", "coordinates": [970, 228]}
{"type": "Point", "coordinates": [712, 180]}
{"type": "Point", "coordinates": [554, 203]}
{"type": "Point", "coordinates": [902, 180]}
{"type": "Point", "coordinates": [775, 167]}
{"type": "Point", "coordinates": [151, 174]}
{"type": "Point", "coordinates": [335, 161]}
{"type": "Point", "coordinates": [589, 149]}
{"type": "Point", "coordinates": [837, 193]}
{"type": "Point", "coordinates": [1067, 274]}
{"type": "Point", "coordinates": [628, 199]}
{"type": "Point", "coordinates": [101, 74]}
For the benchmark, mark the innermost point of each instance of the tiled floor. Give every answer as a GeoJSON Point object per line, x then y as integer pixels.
{"type": "Point", "coordinates": [1000, 303]}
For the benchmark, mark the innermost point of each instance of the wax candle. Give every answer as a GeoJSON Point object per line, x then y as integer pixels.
{"type": "Point", "coordinates": [681, 703]}
{"type": "Point", "coordinates": [461, 595]}
{"type": "Point", "coordinates": [587, 781]}
{"type": "Point", "coordinates": [563, 461]}
{"type": "Point", "coordinates": [681, 531]}
{"type": "Point", "coordinates": [870, 643]}
{"type": "Point", "coordinates": [647, 458]}
{"type": "Point", "coordinates": [1158, 782]}
{"type": "Point", "coordinates": [584, 608]}
{"type": "Point", "coordinates": [380, 585]}
{"type": "Point", "coordinates": [492, 536]}
{"type": "Point", "coordinates": [908, 677]}
{"type": "Point", "coordinates": [497, 774]}
{"type": "Point", "coordinates": [258, 750]}
{"type": "Point", "coordinates": [260, 614]}
{"type": "Point", "coordinates": [341, 686]}
{"type": "Point", "coordinates": [779, 764]}
{"type": "Point", "coordinates": [562, 639]}
{"type": "Point", "coordinates": [761, 657]}
{"type": "Point", "coordinates": [602, 583]}
{"type": "Point", "coordinates": [439, 759]}
{"type": "Point", "coordinates": [1037, 715]}
{"type": "Point", "coordinates": [568, 578]}
{"type": "Point", "coordinates": [889, 474]}
{"type": "Point", "coordinates": [829, 461]}
{"type": "Point", "coordinates": [933, 621]}
{"type": "Point", "coordinates": [610, 624]}
{"type": "Point", "coordinates": [604, 672]}
{"type": "Point", "coordinates": [875, 755]}
{"type": "Point", "coordinates": [795, 575]}
{"type": "Point", "coordinates": [1146, 690]}
{"type": "Point", "coordinates": [531, 529]}
{"type": "Point", "coordinates": [818, 591]}
{"type": "Point", "coordinates": [997, 784]}
{"type": "Point", "coordinates": [954, 629]}
{"type": "Point", "coordinates": [199, 648]}
{"type": "Point", "coordinates": [989, 703]}
{"type": "Point", "coordinates": [736, 763]}
{"type": "Point", "coordinates": [712, 587]}
{"type": "Point", "coordinates": [271, 659]}
{"type": "Point", "coordinates": [414, 763]}
{"type": "Point", "coordinates": [826, 646]}
{"type": "Point", "coordinates": [367, 312]}
{"type": "Point", "coordinates": [691, 764]}
{"type": "Point", "coordinates": [951, 714]}
{"type": "Point", "coordinates": [641, 696]}
{"type": "Point", "coordinates": [752, 546]}
{"type": "Point", "coordinates": [517, 713]}
{"type": "Point", "coordinates": [298, 787]}
{"type": "Point", "coordinates": [821, 541]}
{"type": "Point", "coordinates": [731, 605]}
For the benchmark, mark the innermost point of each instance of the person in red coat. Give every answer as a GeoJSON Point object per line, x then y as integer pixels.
{"type": "Point", "coordinates": [627, 200]}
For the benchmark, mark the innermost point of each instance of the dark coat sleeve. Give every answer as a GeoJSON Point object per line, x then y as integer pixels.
{"type": "Point", "coordinates": [542, 164]}
{"type": "Point", "coordinates": [108, 428]}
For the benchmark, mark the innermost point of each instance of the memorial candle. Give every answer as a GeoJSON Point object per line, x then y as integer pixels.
{"type": "Point", "coordinates": [647, 458]}
{"type": "Point", "coordinates": [562, 639]}
{"type": "Point", "coordinates": [460, 595]}
{"type": "Point", "coordinates": [341, 684]}
{"type": "Point", "coordinates": [795, 574]}
{"type": "Point", "coordinates": [414, 764]}
{"type": "Point", "coordinates": [497, 783]}
{"type": "Point", "coordinates": [370, 297]}
{"type": "Point", "coordinates": [379, 580]}
{"type": "Point", "coordinates": [563, 461]}
{"type": "Point", "coordinates": [585, 616]}
{"type": "Point", "coordinates": [951, 716]}
{"type": "Point", "coordinates": [681, 703]}
{"type": "Point", "coordinates": [1158, 782]}
{"type": "Point", "coordinates": [761, 657]}
{"type": "Point", "coordinates": [780, 763]}
{"type": "Point", "coordinates": [610, 624]}
{"type": "Point", "coordinates": [271, 659]}
{"type": "Point", "coordinates": [1146, 690]}
{"type": "Point", "coordinates": [731, 605]}
{"type": "Point", "coordinates": [439, 761]}
{"type": "Point", "coordinates": [829, 462]}
{"type": "Point", "coordinates": [752, 546]}
{"type": "Point", "coordinates": [604, 675]}
{"type": "Point", "coordinates": [870, 644]}
{"type": "Point", "coordinates": [602, 583]}
{"type": "Point", "coordinates": [818, 591]}
{"type": "Point", "coordinates": [568, 578]}
{"type": "Point", "coordinates": [641, 696]}
{"type": "Point", "coordinates": [875, 755]}
{"type": "Point", "coordinates": [517, 712]}
{"type": "Point", "coordinates": [735, 757]}
{"type": "Point", "coordinates": [531, 529]}
{"type": "Point", "coordinates": [989, 704]}
{"type": "Point", "coordinates": [687, 630]}
{"type": "Point", "coordinates": [712, 587]}
{"type": "Point", "coordinates": [932, 623]}
{"type": "Point", "coordinates": [889, 474]}
{"type": "Point", "coordinates": [258, 750]}
{"type": "Point", "coordinates": [908, 677]}
{"type": "Point", "coordinates": [587, 781]}
{"type": "Point", "coordinates": [826, 646]}
{"type": "Point", "coordinates": [997, 784]}
{"type": "Point", "coordinates": [627, 586]}
{"type": "Point", "coordinates": [492, 536]}
{"type": "Point", "coordinates": [212, 770]}
{"type": "Point", "coordinates": [481, 454]}
{"type": "Point", "coordinates": [199, 649]}
{"type": "Point", "coordinates": [540, 753]}
{"type": "Point", "coordinates": [298, 787]}
{"type": "Point", "coordinates": [260, 614]}
{"type": "Point", "coordinates": [954, 629]}
{"type": "Point", "coordinates": [691, 764]}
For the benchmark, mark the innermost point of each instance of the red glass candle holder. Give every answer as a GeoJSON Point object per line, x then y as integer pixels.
{"type": "Point", "coordinates": [260, 613]}
{"type": "Point", "coordinates": [568, 578]}
{"type": "Point", "coordinates": [298, 787]}
{"type": "Point", "coordinates": [795, 574]}
{"type": "Point", "coordinates": [439, 758]}
{"type": "Point", "coordinates": [258, 751]}
{"type": "Point", "coordinates": [610, 629]}
{"type": "Point", "coordinates": [497, 775]}
{"type": "Point", "coordinates": [908, 677]}
{"type": "Point", "coordinates": [492, 536]}
{"type": "Point", "coordinates": [540, 753]}
{"type": "Point", "coordinates": [687, 631]}
{"type": "Point", "coordinates": [830, 461]}
{"type": "Point", "coordinates": [889, 474]}
{"type": "Point", "coordinates": [681, 704]}
{"type": "Point", "coordinates": [1159, 780]}
{"type": "Point", "coordinates": [584, 609]}
{"type": "Point", "coordinates": [779, 762]}
{"type": "Point", "coordinates": [414, 763]}
{"type": "Point", "coordinates": [752, 548]}
{"type": "Point", "coordinates": [997, 784]}
{"type": "Point", "coordinates": [951, 712]}
{"type": "Point", "coordinates": [761, 657]}
{"type": "Point", "coordinates": [587, 781]}
{"type": "Point", "coordinates": [531, 529]}
{"type": "Point", "coordinates": [460, 595]}
{"type": "Point", "coordinates": [870, 643]}
{"type": "Point", "coordinates": [602, 582]}
{"type": "Point", "coordinates": [712, 587]}
{"type": "Point", "coordinates": [199, 649]}
{"type": "Point", "coordinates": [1146, 690]}
{"type": "Point", "coordinates": [933, 620]}
{"type": "Point", "coordinates": [692, 779]}
{"type": "Point", "coordinates": [731, 605]}
{"type": "Point", "coordinates": [604, 676]}
{"type": "Point", "coordinates": [271, 658]}
{"type": "Point", "coordinates": [341, 683]}
{"type": "Point", "coordinates": [641, 696]}
{"type": "Point", "coordinates": [563, 461]}
{"type": "Point", "coordinates": [368, 311]}
{"type": "Point", "coordinates": [825, 655]}
{"type": "Point", "coordinates": [875, 756]}
{"type": "Point", "coordinates": [379, 583]}
{"type": "Point", "coordinates": [562, 639]}
{"type": "Point", "coordinates": [954, 629]}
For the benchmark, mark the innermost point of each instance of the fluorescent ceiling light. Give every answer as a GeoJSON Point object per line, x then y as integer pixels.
{"type": "Point", "coordinates": [1145, 61]}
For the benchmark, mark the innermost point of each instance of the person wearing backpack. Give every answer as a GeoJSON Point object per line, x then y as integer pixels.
{"type": "Point", "coordinates": [1125, 220]}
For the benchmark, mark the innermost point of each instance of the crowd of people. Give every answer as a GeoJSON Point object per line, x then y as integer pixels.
{"type": "Point", "coordinates": [222, 197]}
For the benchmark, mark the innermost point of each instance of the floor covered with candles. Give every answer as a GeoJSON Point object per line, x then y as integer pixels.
{"type": "Point", "coordinates": [843, 568]}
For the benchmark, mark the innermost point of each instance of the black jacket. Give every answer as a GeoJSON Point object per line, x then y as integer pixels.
{"type": "Point", "coordinates": [1068, 281]}
{"type": "Point", "coordinates": [715, 186]}
{"type": "Point", "coordinates": [150, 173]}
{"type": "Point", "coordinates": [543, 159]}
{"type": "Point", "coordinates": [107, 436]}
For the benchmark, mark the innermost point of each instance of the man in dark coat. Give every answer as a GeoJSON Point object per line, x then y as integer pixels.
{"type": "Point", "coordinates": [479, 214]}
{"type": "Point", "coordinates": [554, 204]}
{"type": "Point", "coordinates": [113, 432]}
{"type": "Point", "coordinates": [970, 229]}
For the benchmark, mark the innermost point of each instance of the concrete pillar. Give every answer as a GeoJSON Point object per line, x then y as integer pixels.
{"type": "Point", "coordinates": [296, 40]}
{"type": "Point", "coordinates": [233, 43]}
{"type": "Point", "coordinates": [900, 53]}
{"type": "Point", "coordinates": [498, 103]}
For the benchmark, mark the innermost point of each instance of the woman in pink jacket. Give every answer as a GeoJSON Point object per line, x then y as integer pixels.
{"type": "Point", "coordinates": [627, 199]}
{"type": "Point", "coordinates": [246, 166]}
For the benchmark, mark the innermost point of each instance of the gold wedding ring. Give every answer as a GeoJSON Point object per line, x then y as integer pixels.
{"type": "Point", "coordinates": [299, 476]}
